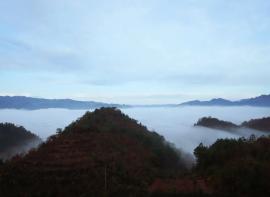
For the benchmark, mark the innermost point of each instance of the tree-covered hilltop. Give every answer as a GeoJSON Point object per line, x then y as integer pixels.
{"type": "Point", "coordinates": [215, 123]}
{"type": "Point", "coordinates": [15, 140]}
{"type": "Point", "coordinates": [236, 167]}
{"type": "Point", "coordinates": [262, 124]}
{"type": "Point", "coordinates": [112, 120]}
{"type": "Point", "coordinates": [103, 153]}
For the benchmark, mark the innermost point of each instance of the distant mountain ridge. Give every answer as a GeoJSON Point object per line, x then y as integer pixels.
{"type": "Point", "coordinates": [22, 102]}
{"type": "Point", "coordinates": [31, 103]}
{"type": "Point", "coordinates": [260, 101]}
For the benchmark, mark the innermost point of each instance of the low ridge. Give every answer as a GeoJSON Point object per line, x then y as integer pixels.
{"type": "Point", "coordinates": [215, 123]}
{"type": "Point", "coordinates": [261, 124]}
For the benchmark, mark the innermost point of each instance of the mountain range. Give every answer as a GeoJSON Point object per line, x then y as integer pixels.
{"type": "Point", "coordinates": [22, 102]}
{"type": "Point", "coordinates": [260, 101]}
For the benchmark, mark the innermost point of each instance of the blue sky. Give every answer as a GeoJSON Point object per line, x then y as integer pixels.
{"type": "Point", "coordinates": [135, 51]}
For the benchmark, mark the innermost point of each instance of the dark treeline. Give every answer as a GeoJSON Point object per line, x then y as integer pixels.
{"type": "Point", "coordinates": [15, 139]}
{"type": "Point", "coordinates": [236, 167]}
{"type": "Point", "coordinates": [261, 124]}
{"type": "Point", "coordinates": [215, 123]}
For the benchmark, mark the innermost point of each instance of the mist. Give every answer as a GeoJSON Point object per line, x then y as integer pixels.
{"type": "Point", "coordinates": [20, 149]}
{"type": "Point", "coordinates": [174, 123]}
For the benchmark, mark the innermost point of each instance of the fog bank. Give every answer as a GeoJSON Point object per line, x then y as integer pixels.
{"type": "Point", "coordinates": [174, 123]}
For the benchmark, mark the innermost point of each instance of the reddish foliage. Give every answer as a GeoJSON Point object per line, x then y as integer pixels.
{"type": "Point", "coordinates": [103, 152]}
{"type": "Point", "coordinates": [186, 185]}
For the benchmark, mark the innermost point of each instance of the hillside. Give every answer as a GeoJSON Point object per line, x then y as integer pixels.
{"type": "Point", "coordinates": [22, 102]}
{"type": "Point", "coordinates": [260, 101]}
{"type": "Point", "coordinates": [15, 140]}
{"type": "Point", "coordinates": [261, 124]}
{"type": "Point", "coordinates": [215, 123]}
{"type": "Point", "coordinates": [236, 167]}
{"type": "Point", "coordinates": [106, 153]}
{"type": "Point", "coordinates": [102, 153]}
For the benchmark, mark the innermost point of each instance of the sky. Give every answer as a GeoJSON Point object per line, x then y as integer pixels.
{"type": "Point", "coordinates": [135, 51]}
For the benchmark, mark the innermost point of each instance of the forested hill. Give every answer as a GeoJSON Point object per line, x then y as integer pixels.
{"type": "Point", "coordinates": [15, 139]}
{"type": "Point", "coordinates": [215, 123]}
{"type": "Point", "coordinates": [106, 153]}
{"type": "Point", "coordinates": [261, 124]}
{"type": "Point", "coordinates": [236, 167]}
{"type": "Point", "coordinates": [103, 153]}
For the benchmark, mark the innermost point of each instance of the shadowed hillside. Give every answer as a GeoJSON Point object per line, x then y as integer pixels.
{"type": "Point", "coordinates": [261, 124]}
{"type": "Point", "coordinates": [215, 123]}
{"type": "Point", "coordinates": [236, 167]}
{"type": "Point", "coordinates": [103, 153]}
{"type": "Point", "coordinates": [106, 153]}
{"type": "Point", "coordinates": [15, 140]}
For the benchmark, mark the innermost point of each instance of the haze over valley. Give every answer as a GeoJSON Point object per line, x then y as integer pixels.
{"type": "Point", "coordinates": [174, 123]}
